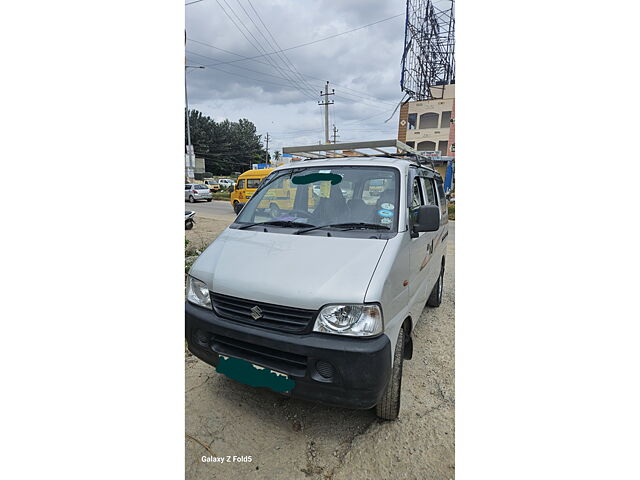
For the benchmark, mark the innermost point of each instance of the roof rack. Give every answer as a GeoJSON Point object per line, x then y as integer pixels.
{"type": "Point", "coordinates": [337, 150]}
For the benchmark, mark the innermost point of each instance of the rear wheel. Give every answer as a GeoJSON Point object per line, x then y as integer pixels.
{"type": "Point", "coordinates": [389, 405]}
{"type": "Point", "coordinates": [435, 299]}
{"type": "Point", "coordinates": [191, 199]}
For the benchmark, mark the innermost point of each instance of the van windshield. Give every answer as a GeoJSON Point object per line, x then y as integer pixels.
{"type": "Point", "coordinates": [332, 197]}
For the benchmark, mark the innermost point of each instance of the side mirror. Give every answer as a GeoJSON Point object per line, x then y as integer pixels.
{"type": "Point", "coordinates": [231, 189]}
{"type": "Point", "coordinates": [428, 219]}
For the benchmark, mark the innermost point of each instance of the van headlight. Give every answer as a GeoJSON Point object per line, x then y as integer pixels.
{"type": "Point", "coordinates": [198, 292]}
{"type": "Point", "coordinates": [355, 320]}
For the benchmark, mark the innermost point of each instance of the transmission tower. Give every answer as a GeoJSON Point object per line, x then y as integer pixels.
{"type": "Point", "coordinates": [428, 62]}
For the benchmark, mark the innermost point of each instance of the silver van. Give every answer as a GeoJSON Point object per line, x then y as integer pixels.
{"type": "Point", "coordinates": [319, 301]}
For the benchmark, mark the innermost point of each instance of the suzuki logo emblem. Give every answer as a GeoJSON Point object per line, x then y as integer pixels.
{"type": "Point", "coordinates": [256, 313]}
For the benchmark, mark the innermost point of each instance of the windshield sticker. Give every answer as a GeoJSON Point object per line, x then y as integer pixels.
{"type": "Point", "coordinates": [387, 206]}
{"type": "Point", "coordinates": [385, 213]}
{"type": "Point", "coordinates": [385, 220]}
{"type": "Point", "coordinates": [317, 177]}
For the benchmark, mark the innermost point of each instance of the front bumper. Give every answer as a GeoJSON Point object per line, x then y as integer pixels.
{"type": "Point", "coordinates": [360, 368]}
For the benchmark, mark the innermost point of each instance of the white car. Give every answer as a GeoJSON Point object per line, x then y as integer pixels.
{"type": "Point", "coordinates": [348, 277]}
{"type": "Point", "coordinates": [226, 182]}
{"type": "Point", "coordinates": [197, 191]}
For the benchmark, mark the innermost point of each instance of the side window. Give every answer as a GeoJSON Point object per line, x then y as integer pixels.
{"type": "Point", "coordinates": [253, 182]}
{"type": "Point", "coordinates": [186, 187]}
{"type": "Point", "coordinates": [417, 194]}
{"type": "Point", "coordinates": [240, 184]}
{"type": "Point", "coordinates": [429, 191]}
{"type": "Point", "coordinates": [416, 200]}
{"type": "Point", "coordinates": [443, 199]}
{"type": "Point", "coordinates": [412, 120]}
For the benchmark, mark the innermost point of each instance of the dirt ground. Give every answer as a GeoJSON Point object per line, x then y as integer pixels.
{"type": "Point", "coordinates": [205, 231]}
{"type": "Point", "coordinates": [293, 439]}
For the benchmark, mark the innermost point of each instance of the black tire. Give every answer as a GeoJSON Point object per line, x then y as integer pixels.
{"type": "Point", "coordinates": [209, 199]}
{"type": "Point", "coordinates": [236, 207]}
{"type": "Point", "coordinates": [188, 225]}
{"type": "Point", "coordinates": [389, 406]}
{"type": "Point", "coordinates": [191, 199]}
{"type": "Point", "coordinates": [435, 299]}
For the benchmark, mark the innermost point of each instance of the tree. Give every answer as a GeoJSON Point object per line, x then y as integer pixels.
{"type": "Point", "coordinates": [225, 146]}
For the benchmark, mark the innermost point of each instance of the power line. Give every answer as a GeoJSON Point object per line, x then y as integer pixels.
{"type": "Point", "coordinates": [262, 49]}
{"type": "Point", "coordinates": [279, 54]}
{"type": "Point", "coordinates": [251, 78]}
{"type": "Point", "coordinates": [265, 63]}
{"type": "Point", "coordinates": [257, 47]}
{"type": "Point", "coordinates": [319, 40]}
{"type": "Point", "coordinates": [277, 45]}
{"type": "Point", "coordinates": [369, 105]}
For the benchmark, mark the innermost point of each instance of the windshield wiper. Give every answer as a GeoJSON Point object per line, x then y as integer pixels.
{"type": "Point", "coordinates": [277, 223]}
{"type": "Point", "coordinates": [345, 226]}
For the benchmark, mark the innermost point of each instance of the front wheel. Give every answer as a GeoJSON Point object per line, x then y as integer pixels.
{"type": "Point", "coordinates": [236, 207]}
{"type": "Point", "coordinates": [389, 406]}
{"type": "Point", "coordinates": [191, 199]}
{"type": "Point", "coordinates": [435, 299]}
{"type": "Point", "coordinates": [209, 199]}
{"type": "Point", "coordinates": [188, 225]}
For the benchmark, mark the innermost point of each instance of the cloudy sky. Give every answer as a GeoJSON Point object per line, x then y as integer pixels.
{"type": "Point", "coordinates": [280, 93]}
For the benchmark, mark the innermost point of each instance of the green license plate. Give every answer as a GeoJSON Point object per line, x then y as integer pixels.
{"type": "Point", "coordinates": [254, 375]}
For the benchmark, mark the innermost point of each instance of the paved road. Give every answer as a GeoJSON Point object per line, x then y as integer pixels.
{"type": "Point", "coordinates": [294, 439]}
{"type": "Point", "coordinates": [213, 209]}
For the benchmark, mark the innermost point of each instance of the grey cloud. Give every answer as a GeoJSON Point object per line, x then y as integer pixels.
{"type": "Point", "coordinates": [367, 60]}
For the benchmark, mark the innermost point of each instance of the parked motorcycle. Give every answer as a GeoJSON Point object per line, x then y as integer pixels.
{"type": "Point", "coordinates": [188, 219]}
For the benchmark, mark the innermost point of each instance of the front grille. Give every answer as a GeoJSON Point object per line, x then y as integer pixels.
{"type": "Point", "coordinates": [274, 317]}
{"type": "Point", "coordinates": [290, 363]}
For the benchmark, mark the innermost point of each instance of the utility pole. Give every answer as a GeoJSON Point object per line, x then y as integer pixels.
{"type": "Point", "coordinates": [190, 158]}
{"type": "Point", "coordinates": [335, 133]}
{"type": "Point", "coordinates": [326, 104]}
{"type": "Point", "coordinates": [266, 156]}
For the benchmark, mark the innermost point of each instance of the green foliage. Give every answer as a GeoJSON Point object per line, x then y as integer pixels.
{"type": "Point", "coordinates": [225, 146]}
{"type": "Point", "coordinates": [452, 211]}
{"type": "Point", "coordinates": [221, 195]}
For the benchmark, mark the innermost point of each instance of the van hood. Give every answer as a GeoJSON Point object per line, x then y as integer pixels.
{"type": "Point", "coordinates": [303, 271]}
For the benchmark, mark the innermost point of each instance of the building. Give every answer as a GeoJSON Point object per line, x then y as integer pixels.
{"type": "Point", "coordinates": [428, 125]}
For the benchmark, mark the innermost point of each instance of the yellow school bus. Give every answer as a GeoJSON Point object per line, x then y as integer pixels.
{"type": "Point", "coordinates": [246, 186]}
{"type": "Point", "coordinates": [276, 199]}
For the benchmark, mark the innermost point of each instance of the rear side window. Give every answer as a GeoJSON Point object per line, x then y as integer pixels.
{"type": "Point", "coordinates": [253, 182]}
{"type": "Point", "coordinates": [443, 199]}
{"type": "Point", "coordinates": [429, 191]}
{"type": "Point", "coordinates": [187, 187]}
